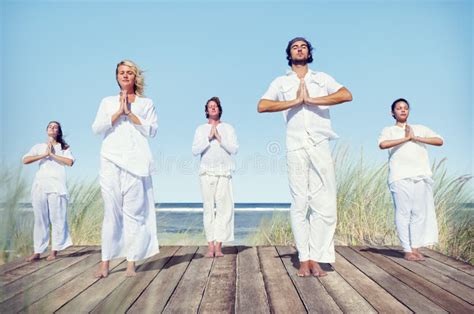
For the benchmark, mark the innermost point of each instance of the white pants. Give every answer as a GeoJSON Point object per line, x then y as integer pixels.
{"type": "Point", "coordinates": [313, 208]}
{"type": "Point", "coordinates": [415, 215]}
{"type": "Point", "coordinates": [218, 220]}
{"type": "Point", "coordinates": [129, 226]}
{"type": "Point", "coordinates": [50, 209]}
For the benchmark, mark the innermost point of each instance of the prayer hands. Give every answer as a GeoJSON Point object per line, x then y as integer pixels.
{"type": "Point", "coordinates": [409, 133]}
{"type": "Point", "coordinates": [302, 95]}
{"type": "Point", "coordinates": [124, 106]}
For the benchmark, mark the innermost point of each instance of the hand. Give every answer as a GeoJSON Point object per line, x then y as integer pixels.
{"type": "Point", "coordinates": [409, 133]}
{"type": "Point", "coordinates": [306, 97]}
{"type": "Point", "coordinates": [123, 102]}
{"type": "Point", "coordinates": [50, 149]}
{"type": "Point", "coordinates": [212, 134]}
{"type": "Point", "coordinates": [300, 93]}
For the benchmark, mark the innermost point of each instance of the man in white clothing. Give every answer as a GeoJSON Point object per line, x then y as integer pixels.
{"type": "Point", "coordinates": [215, 141]}
{"type": "Point", "coordinates": [304, 96]}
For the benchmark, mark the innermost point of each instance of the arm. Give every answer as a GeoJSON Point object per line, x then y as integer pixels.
{"type": "Point", "coordinates": [29, 159]}
{"type": "Point", "coordinates": [148, 125]}
{"type": "Point", "coordinates": [228, 141]}
{"type": "Point", "coordinates": [266, 104]}
{"type": "Point", "coordinates": [200, 142]}
{"type": "Point", "coordinates": [339, 97]}
{"type": "Point", "coordinates": [436, 141]}
{"type": "Point", "coordinates": [103, 121]}
{"type": "Point", "coordinates": [391, 143]}
{"type": "Point", "coordinates": [67, 161]}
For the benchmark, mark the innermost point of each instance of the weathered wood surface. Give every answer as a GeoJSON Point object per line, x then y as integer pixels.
{"type": "Point", "coordinates": [245, 280]}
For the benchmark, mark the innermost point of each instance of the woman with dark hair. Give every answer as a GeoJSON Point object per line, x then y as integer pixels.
{"type": "Point", "coordinates": [49, 192]}
{"type": "Point", "coordinates": [126, 121]}
{"type": "Point", "coordinates": [410, 180]}
{"type": "Point", "coordinates": [215, 141]}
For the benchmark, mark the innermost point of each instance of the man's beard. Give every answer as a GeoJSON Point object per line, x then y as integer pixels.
{"type": "Point", "coordinates": [299, 62]}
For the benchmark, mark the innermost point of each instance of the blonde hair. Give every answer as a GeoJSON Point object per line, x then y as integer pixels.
{"type": "Point", "coordinates": [139, 79]}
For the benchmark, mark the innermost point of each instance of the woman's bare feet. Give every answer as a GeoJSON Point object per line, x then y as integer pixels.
{"type": "Point", "coordinates": [418, 254]}
{"type": "Point", "coordinates": [210, 250]}
{"type": "Point", "coordinates": [103, 271]}
{"type": "Point", "coordinates": [304, 269]}
{"type": "Point", "coordinates": [410, 256]}
{"type": "Point", "coordinates": [130, 270]}
{"type": "Point", "coordinates": [34, 257]}
{"type": "Point", "coordinates": [52, 256]}
{"type": "Point", "coordinates": [316, 269]}
{"type": "Point", "coordinates": [218, 252]}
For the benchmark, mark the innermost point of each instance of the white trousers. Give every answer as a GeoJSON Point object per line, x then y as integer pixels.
{"type": "Point", "coordinates": [313, 209]}
{"type": "Point", "coordinates": [49, 209]}
{"type": "Point", "coordinates": [415, 216]}
{"type": "Point", "coordinates": [218, 205]}
{"type": "Point", "coordinates": [129, 226]}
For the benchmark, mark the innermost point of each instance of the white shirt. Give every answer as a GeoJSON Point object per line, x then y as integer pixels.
{"type": "Point", "coordinates": [306, 125]}
{"type": "Point", "coordinates": [410, 159]}
{"type": "Point", "coordinates": [51, 175]}
{"type": "Point", "coordinates": [215, 156]}
{"type": "Point", "coordinates": [125, 143]}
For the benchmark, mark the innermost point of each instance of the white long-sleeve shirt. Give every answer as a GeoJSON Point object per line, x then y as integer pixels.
{"type": "Point", "coordinates": [306, 125]}
{"type": "Point", "coordinates": [215, 156]}
{"type": "Point", "coordinates": [51, 175]}
{"type": "Point", "coordinates": [410, 159]}
{"type": "Point", "coordinates": [125, 143]}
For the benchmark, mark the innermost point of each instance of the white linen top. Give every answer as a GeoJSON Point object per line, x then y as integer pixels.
{"type": "Point", "coordinates": [410, 159]}
{"type": "Point", "coordinates": [306, 125]}
{"type": "Point", "coordinates": [125, 143]}
{"type": "Point", "coordinates": [51, 175]}
{"type": "Point", "coordinates": [215, 156]}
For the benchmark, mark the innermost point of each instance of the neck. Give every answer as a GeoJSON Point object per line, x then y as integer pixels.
{"type": "Point", "coordinates": [401, 123]}
{"type": "Point", "coordinates": [214, 121]}
{"type": "Point", "coordinates": [300, 69]}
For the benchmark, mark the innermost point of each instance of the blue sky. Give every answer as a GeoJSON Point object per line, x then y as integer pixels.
{"type": "Point", "coordinates": [58, 60]}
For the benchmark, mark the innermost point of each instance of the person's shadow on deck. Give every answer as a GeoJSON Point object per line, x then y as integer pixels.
{"type": "Point", "coordinates": [385, 252]}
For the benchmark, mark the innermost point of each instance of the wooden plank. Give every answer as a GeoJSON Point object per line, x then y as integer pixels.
{"type": "Point", "coordinates": [157, 293]}
{"type": "Point", "coordinates": [37, 291]}
{"type": "Point", "coordinates": [250, 295]}
{"type": "Point", "coordinates": [402, 292]}
{"type": "Point", "coordinates": [219, 295]}
{"type": "Point", "coordinates": [465, 267]}
{"type": "Point", "coordinates": [188, 295]}
{"type": "Point", "coordinates": [308, 287]}
{"type": "Point", "coordinates": [15, 287]}
{"type": "Point", "coordinates": [20, 262]}
{"type": "Point", "coordinates": [436, 294]}
{"type": "Point", "coordinates": [430, 274]}
{"type": "Point", "coordinates": [57, 298]}
{"type": "Point", "coordinates": [381, 300]}
{"type": "Point", "coordinates": [21, 269]}
{"type": "Point", "coordinates": [90, 298]}
{"type": "Point", "coordinates": [282, 294]}
{"type": "Point", "coordinates": [451, 272]}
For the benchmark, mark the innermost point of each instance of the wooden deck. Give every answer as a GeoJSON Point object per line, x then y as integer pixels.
{"type": "Point", "coordinates": [246, 280]}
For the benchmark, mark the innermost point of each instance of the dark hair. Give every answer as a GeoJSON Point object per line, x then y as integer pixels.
{"type": "Point", "coordinates": [291, 42]}
{"type": "Point", "coordinates": [399, 100]}
{"type": "Point", "coordinates": [59, 138]}
{"type": "Point", "coordinates": [218, 102]}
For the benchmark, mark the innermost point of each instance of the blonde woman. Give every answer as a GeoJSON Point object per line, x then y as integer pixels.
{"type": "Point", "coordinates": [49, 192]}
{"type": "Point", "coordinates": [127, 121]}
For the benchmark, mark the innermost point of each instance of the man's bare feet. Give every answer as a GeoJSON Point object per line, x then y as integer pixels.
{"type": "Point", "coordinates": [410, 256]}
{"type": "Point", "coordinates": [210, 250]}
{"type": "Point", "coordinates": [304, 269]}
{"type": "Point", "coordinates": [103, 271]}
{"type": "Point", "coordinates": [316, 269]}
{"type": "Point", "coordinates": [130, 270]}
{"type": "Point", "coordinates": [218, 252]}
{"type": "Point", "coordinates": [418, 254]}
{"type": "Point", "coordinates": [52, 256]}
{"type": "Point", "coordinates": [34, 257]}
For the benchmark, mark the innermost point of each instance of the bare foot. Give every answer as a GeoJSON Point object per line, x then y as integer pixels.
{"type": "Point", "coordinates": [34, 257]}
{"type": "Point", "coordinates": [410, 256]}
{"type": "Point", "coordinates": [304, 269]}
{"type": "Point", "coordinates": [210, 250]}
{"type": "Point", "coordinates": [219, 249]}
{"type": "Point", "coordinates": [419, 256]}
{"type": "Point", "coordinates": [52, 256]}
{"type": "Point", "coordinates": [130, 270]}
{"type": "Point", "coordinates": [316, 269]}
{"type": "Point", "coordinates": [103, 271]}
